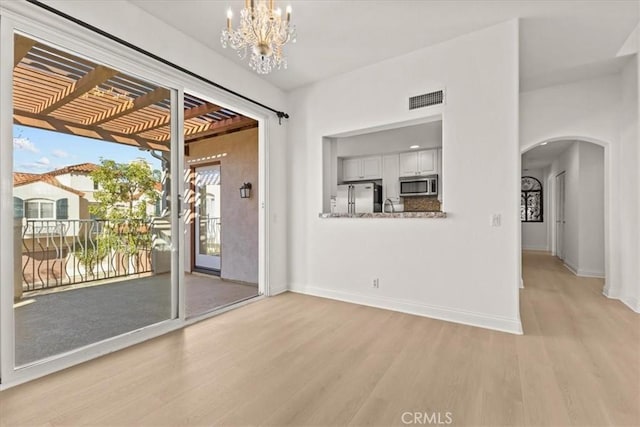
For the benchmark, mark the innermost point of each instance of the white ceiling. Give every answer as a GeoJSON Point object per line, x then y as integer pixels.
{"type": "Point", "coordinates": [543, 155]}
{"type": "Point", "coordinates": [561, 40]}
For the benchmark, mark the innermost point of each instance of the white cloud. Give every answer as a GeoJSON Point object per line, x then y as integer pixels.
{"type": "Point", "coordinates": [61, 154]}
{"type": "Point", "coordinates": [32, 167]}
{"type": "Point", "coordinates": [42, 164]}
{"type": "Point", "coordinates": [24, 144]}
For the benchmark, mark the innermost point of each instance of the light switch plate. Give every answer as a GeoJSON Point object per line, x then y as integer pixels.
{"type": "Point", "coordinates": [496, 220]}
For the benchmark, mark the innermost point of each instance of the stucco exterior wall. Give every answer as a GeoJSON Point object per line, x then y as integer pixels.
{"type": "Point", "coordinates": [239, 217]}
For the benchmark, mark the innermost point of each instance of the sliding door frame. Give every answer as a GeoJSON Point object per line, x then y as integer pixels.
{"type": "Point", "coordinates": [215, 96]}
{"type": "Point", "coordinates": [38, 24]}
{"type": "Point", "coordinates": [10, 373]}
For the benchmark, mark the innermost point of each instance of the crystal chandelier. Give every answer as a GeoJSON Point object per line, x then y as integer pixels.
{"type": "Point", "coordinates": [263, 30]}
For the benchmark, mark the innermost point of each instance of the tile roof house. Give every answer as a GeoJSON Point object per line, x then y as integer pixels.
{"type": "Point", "coordinates": [60, 194]}
{"type": "Point", "coordinates": [64, 193]}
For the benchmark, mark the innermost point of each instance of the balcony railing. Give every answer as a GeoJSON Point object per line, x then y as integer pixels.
{"type": "Point", "coordinates": [209, 235]}
{"type": "Point", "coordinates": [67, 252]}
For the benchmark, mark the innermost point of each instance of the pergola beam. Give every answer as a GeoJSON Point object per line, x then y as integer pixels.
{"type": "Point", "coordinates": [190, 113]}
{"type": "Point", "coordinates": [156, 95]}
{"type": "Point", "coordinates": [25, 118]}
{"type": "Point", "coordinates": [201, 110]}
{"type": "Point", "coordinates": [223, 126]}
{"type": "Point", "coordinates": [205, 127]}
{"type": "Point", "coordinates": [21, 47]}
{"type": "Point", "coordinates": [218, 133]}
{"type": "Point", "coordinates": [93, 78]}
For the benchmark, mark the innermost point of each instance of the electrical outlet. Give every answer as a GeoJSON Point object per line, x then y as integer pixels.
{"type": "Point", "coordinates": [376, 283]}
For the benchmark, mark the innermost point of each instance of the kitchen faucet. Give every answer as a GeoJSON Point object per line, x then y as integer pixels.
{"type": "Point", "coordinates": [384, 206]}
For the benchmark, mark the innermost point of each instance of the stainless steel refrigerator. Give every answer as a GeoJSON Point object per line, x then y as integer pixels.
{"type": "Point", "coordinates": [359, 198]}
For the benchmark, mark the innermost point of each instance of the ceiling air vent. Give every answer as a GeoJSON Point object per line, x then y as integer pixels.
{"type": "Point", "coordinates": [426, 100]}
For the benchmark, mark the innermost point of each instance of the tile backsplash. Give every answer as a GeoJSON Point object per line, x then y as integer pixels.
{"type": "Point", "coordinates": [421, 204]}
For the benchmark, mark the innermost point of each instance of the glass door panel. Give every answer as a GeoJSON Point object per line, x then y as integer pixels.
{"type": "Point", "coordinates": [93, 230]}
{"type": "Point", "coordinates": [207, 230]}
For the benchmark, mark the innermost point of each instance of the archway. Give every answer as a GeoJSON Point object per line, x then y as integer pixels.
{"type": "Point", "coordinates": [608, 179]}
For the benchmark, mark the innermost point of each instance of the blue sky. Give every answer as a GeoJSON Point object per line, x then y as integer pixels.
{"type": "Point", "coordinates": [39, 151]}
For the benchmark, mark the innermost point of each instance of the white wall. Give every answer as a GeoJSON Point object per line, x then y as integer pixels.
{"type": "Point", "coordinates": [584, 240]}
{"type": "Point", "coordinates": [125, 20]}
{"type": "Point", "coordinates": [534, 234]}
{"type": "Point", "coordinates": [591, 210]}
{"type": "Point", "coordinates": [569, 163]}
{"type": "Point", "coordinates": [79, 181]}
{"type": "Point", "coordinates": [628, 212]}
{"type": "Point", "coordinates": [585, 108]}
{"type": "Point", "coordinates": [459, 268]}
{"type": "Point", "coordinates": [602, 110]}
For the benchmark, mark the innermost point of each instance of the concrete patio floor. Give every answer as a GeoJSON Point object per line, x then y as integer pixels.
{"type": "Point", "coordinates": [58, 322]}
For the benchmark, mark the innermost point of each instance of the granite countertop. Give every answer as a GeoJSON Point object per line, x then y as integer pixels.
{"type": "Point", "coordinates": [432, 214]}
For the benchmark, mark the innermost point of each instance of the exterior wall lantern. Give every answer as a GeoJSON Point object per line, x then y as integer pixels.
{"type": "Point", "coordinates": [245, 190]}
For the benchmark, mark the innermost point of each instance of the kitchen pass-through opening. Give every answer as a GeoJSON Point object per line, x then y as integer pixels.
{"type": "Point", "coordinates": [394, 168]}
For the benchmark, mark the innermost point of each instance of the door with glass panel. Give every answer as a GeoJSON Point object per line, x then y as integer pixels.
{"type": "Point", "coordinates": [208, 249]}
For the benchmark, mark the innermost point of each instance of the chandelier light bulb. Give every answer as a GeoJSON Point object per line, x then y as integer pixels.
{"type": "Point", "coordinates": [261, 34]}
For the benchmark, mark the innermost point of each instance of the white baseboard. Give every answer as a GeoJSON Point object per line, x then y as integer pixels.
{"type": "Point", "coordinates": [587, 273]}
{"type": "Point", "coordinates": [535, 248]}
{"type": "Point", "coordinates": [631, 302]}
{"type": "Point", "coordinates": [570, 267]}
{"type": "Point", "coordinates": [583, 273]}
{"type": "Point", "coordinates": [498, 323]}
{"type": "Point", "coordinates": [277, 291]}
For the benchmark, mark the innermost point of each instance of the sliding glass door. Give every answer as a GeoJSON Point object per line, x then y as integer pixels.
{"type": "Point", "coordinates": [94, 223]}
{"type": "Point", "coordinates": [95, 233]}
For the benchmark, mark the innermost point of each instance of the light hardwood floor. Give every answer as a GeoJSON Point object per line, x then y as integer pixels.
{"type": "Point", "coordinates": [299, 360]}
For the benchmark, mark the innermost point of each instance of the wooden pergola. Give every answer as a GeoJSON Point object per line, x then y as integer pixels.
{"type": "Point", "coordinates": [57, 91]}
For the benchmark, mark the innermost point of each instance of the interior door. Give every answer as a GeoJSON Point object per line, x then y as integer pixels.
{"type": "Point", "coordinates": [208, 250]}
{"type": "Point", "coordinates": [560, 221]}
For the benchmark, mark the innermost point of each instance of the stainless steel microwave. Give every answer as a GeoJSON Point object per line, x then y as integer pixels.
{"type": "Point", "coordinates": [425, 186]}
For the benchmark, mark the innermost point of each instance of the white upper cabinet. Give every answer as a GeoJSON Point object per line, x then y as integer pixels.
{"type": "Point", "coordinates": [415, 163]}
{"type": "Point", "coordinates": [427, 162]}
{"type": "Point", "coordinates": [372, 167]}
{"type": "Point", "coordinates": [408, 164]}
{"type": "Point", "coordinates": [362, 168]}
{"type": "Point", "coordinates": [351, 169]}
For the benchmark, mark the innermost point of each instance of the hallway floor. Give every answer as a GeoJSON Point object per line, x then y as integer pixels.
{"type": "Point", "coordinates": [300, 360]}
